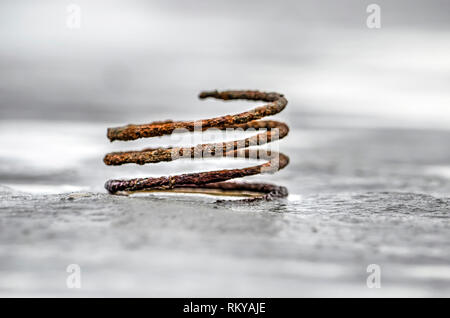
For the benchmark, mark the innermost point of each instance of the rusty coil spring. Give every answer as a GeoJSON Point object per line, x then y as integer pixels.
{"type": "Point", "coordinates": [211, 181]}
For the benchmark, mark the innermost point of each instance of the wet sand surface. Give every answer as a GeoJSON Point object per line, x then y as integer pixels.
{"type": "Point", "coordinates": [357, 197]}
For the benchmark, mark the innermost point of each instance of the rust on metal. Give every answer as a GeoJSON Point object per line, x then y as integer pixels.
{"type": "Point", "coordinates": [211, 181]}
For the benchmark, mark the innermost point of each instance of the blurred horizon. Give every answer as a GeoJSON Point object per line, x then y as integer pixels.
{"type": "Point", "coordinates": [139, 61]}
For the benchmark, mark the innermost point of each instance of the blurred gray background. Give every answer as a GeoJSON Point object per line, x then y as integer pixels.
{"type": "Point", "coordinates": [131, 59]}
{"type": "Point", "coordinates": [369, 178]}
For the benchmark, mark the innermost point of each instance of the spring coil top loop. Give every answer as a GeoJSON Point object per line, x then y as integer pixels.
{"type": "Point", "coordinates": [211, 181]}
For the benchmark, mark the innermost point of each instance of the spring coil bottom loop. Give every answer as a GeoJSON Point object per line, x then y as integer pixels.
{"type": "Point", "coordinates": [211, 181]}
